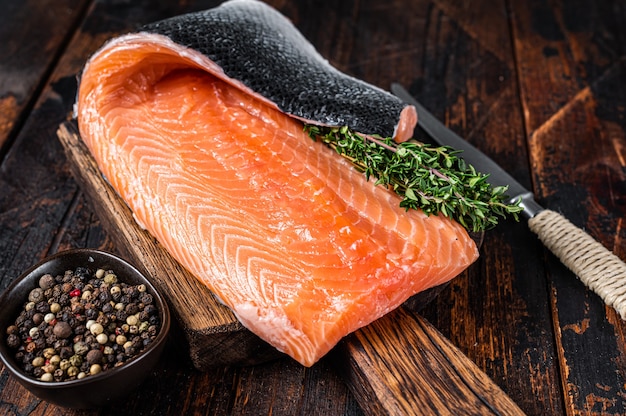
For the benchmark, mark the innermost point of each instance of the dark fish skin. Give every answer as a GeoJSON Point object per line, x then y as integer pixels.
{"type": "Point", "coordinates": [256, 45]}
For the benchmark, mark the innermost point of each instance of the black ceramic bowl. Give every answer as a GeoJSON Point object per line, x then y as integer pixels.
{"type": "Point", "coordinates": [93, 390]}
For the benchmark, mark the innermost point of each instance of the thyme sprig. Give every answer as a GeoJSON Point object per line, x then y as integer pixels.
{"type": "Point", "coordinates": [426, 177]}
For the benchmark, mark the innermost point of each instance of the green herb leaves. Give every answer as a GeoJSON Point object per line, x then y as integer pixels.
{"type": "Point", "coordinates": [429, 178]}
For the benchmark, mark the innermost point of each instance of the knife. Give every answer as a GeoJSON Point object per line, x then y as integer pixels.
{"type": "Point", "coordinates": [597, 267]}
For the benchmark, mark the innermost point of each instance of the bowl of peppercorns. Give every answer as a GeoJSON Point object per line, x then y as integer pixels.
{"type": "Point", "coordinates": [82, 328]}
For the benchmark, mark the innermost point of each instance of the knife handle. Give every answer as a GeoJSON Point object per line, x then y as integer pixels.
{"type": "Point", "coordinates": [597, 267]}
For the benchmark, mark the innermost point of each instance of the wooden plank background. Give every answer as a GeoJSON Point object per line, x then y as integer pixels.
{"type": "Point", "coordinates": [538, 85]}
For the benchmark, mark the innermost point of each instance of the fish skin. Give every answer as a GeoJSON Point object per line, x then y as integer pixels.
{"type": "Point", "coordinates": [256, 45]}
{"type": "Point", "coordinates": [283, 230]}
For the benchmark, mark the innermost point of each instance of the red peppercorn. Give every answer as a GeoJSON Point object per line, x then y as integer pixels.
{"type": "Point", "coordinates": [75, 292]}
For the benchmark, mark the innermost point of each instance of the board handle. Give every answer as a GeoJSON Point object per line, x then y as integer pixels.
{"type": "Point", "coordinates": [597, 267]}
{"type": "Point", "coordinates": [402, 365]}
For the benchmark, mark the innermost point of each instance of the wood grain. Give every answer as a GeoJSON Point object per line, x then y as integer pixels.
{"type": "Point", "coordinates": [401, 365]}
{"type": "Point", "coordinates": [575, 132]}
{"type": "Point", "coordinates": [538, 85]}
{"type": "Point", "coordinates": [24, 69]}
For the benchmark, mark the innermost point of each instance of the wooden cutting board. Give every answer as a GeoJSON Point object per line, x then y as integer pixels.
{"type": "Point", "coordinates": [399, 364]}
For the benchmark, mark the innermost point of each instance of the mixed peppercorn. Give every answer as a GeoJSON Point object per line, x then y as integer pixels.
{"type": "Point", "coordinates": [82, 323]}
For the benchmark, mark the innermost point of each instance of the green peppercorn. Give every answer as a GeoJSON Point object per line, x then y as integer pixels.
{"type": "Point", "coordinates": [38, 361]}
{"type": "Point", "coordinates": [110, 278]}
{"type": "Point", "coordinates": [48, 353]}
{"type": "Point", "coordinates": [55, 360]}
{"type": "Point", "coordinates": [80, 348]}
{"type": "Point", "coordinates": [76, 360]}
{"type": "Point", "coordinates": [143, 326]}
{"type": "Point", "coordinates": [64, 365]}
{"type": "Point", "coordinates": [72, 371]}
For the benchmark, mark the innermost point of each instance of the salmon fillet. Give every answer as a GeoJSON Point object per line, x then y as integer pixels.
{"type": "Point", "coordinates": [283, 230]}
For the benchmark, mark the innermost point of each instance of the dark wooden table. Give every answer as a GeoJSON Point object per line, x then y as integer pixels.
{"type": "Point", "coordinates": [540, 86]}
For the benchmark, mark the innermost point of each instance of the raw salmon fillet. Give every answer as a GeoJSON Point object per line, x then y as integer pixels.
{"type": "Point", "coordinates": [283, 230]}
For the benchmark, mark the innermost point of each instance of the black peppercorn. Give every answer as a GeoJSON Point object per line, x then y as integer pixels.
{"type": "Point", "coordinates": [28, 323]}
{"type": "Point", "coordinates": [64, 299]}
{"type": "Point", "coordinates": [145, 298]}
{"type": "Point", "coordinates": [40, 343]}
{"type": "Point", "coordinates": [121, 315]}
{"type": "Point", "coordinates": [49, 332]}
{"type": "Point", "coordinates": [42, 307]}
{"type": "Point", "coordinates": [107, 307]}
{"type": "Point", "coordinates": [131, 308]}
{"type": "Point", "coordinates": [13, 341]}
{"type": "Point", "coordinates": [91, 313]}
{"type": "Point", "coordinates": [65, 352]}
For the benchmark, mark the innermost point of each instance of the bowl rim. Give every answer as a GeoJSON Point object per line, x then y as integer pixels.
{"type": "Point", "coordinates": [163, 333]}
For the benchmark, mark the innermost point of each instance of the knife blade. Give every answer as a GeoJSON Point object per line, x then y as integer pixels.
{"type": "Point", "coordinates": [596, 266]}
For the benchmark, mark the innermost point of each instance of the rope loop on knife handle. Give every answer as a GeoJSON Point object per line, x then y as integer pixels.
{"type": "Point", "coordinates": [597, 267]}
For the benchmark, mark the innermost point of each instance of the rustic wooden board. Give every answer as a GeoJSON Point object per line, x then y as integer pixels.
{"type": "Point", "coordinates": [401, 365]}
{"type": "Point", "coordinates": [398, 363]}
